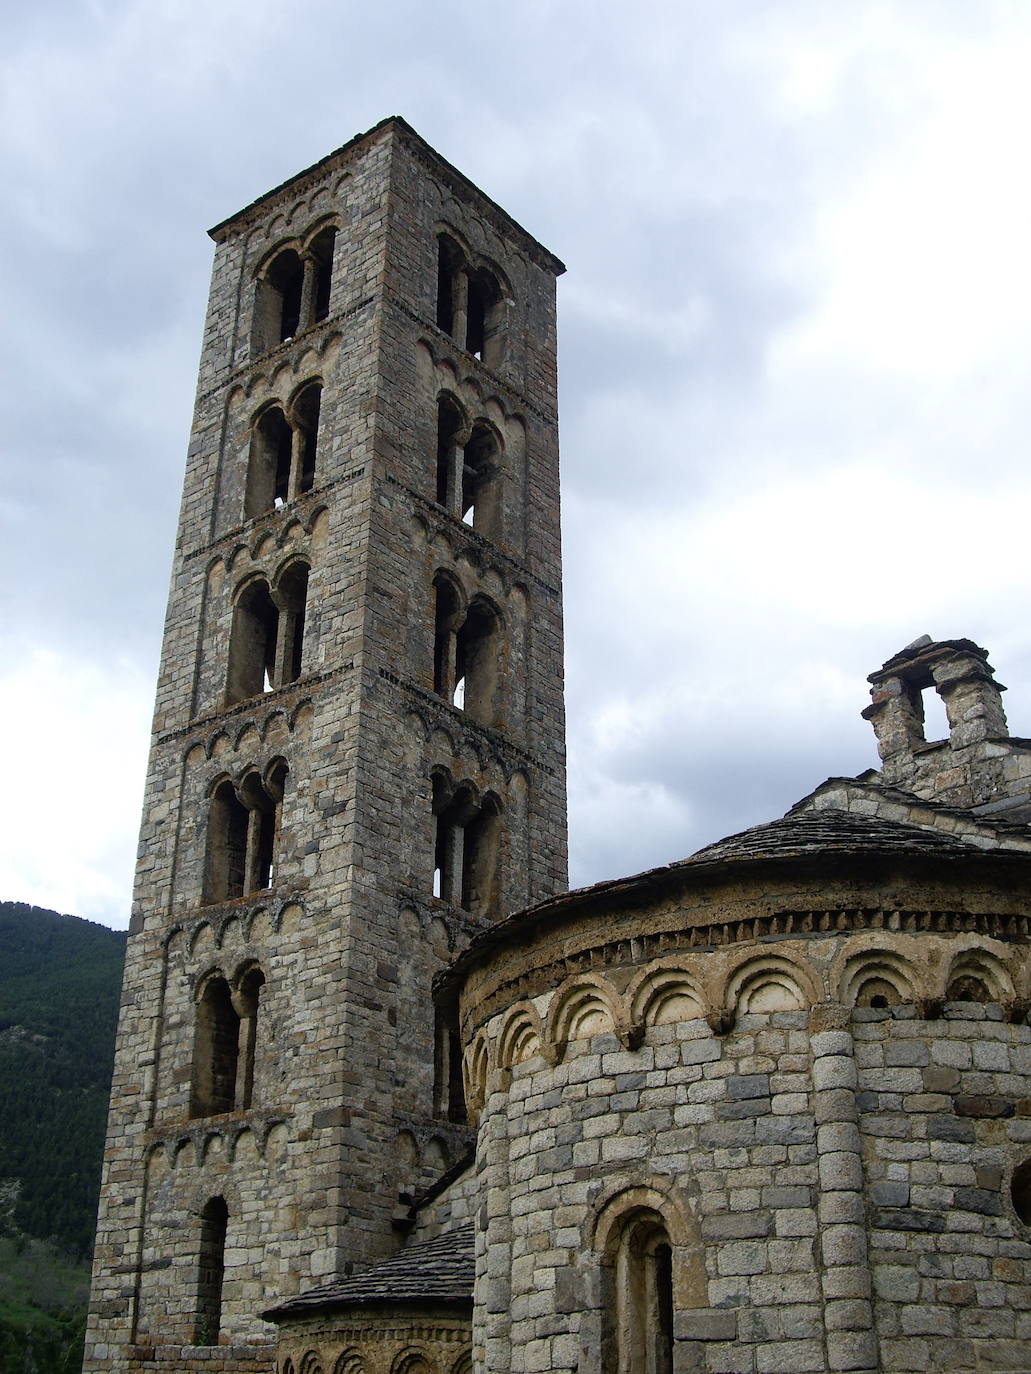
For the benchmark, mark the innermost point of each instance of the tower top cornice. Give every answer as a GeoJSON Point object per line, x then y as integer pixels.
{"type": "Point", "coordinates": [456, 181]}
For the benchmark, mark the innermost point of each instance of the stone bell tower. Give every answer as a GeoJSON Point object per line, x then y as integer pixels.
{"type": "Point", "coordinates": [358, 752]}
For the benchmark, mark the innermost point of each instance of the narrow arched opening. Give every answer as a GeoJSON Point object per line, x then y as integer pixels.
{"type": "Point", "coordinates": [480, 485]}
{"type": "Point", "coordinates": [226, 858]}
{"type": "Point", "coordinates": [476, 662]}
{"type": "Point", "coordinates": [291, 597]}
{"type": "Point", "coordinates": [268, 471]}
{"type": "Point", "coordinates": [306, 409]}
{"type": "Point", "coordinates": [252, 643]}
{"type": "Point", "coordinates": [216, 1047]}
{"type": "Point", "coordinates": [214, 1225]}
{"type": "Point", "coordinates": [321, 251]}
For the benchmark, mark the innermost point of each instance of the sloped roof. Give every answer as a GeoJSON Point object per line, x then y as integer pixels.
{"type": "Point", "coordinates": [823, 831]}
{"type": "Point", "coordinates": [437, 1271]}
{"type": "Point", "coordinates": [798, 836]}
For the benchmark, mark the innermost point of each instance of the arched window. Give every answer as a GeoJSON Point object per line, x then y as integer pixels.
{"type": "Point", "coordinates": [252, 643]}
{"type": "Point", "coordinates": [305, 410]}
{"type": "Point", "coordinates": [466, 846]}
{"type": "Point", "coordinates": [228, 823]}
{"type": "Point", "coordinates": [268, 472]}
{"type": "Point", "coordinates": [214, 1223]}
{"type": "Point", "coordinates": [450, 423]}
{"type": "Point", "coordinates": [283, 453]}
{"type": "Point", "coordinates": [320, 251]}
{"type": "Point", "coordinates": [247, 1000]}
{"type": "Point", "coordinates": [277, 301]}
{"type": "Point", "coordinates": [449, 278]}
{"type": "Point", "coordinates": [216, 1049]}
{"type": "Point", "coordinates": [480, 486]}
{"type": "Point", "coordinates": [243, 834]}
{"type": "Point", "coordinates": [640, 1297]}
{"type": "Point", "coordinates": [447, 617]}
{"type": "Point", "coordinates": [470, 303]}
{"type": "Point", "coordinates": [485, 317]}
{"type": "Point", "coordinates": [266, 643]}
{"type": "Point", "coordinates": [476, 661]}
{"type": "Point", "coordinates": [291, 595]}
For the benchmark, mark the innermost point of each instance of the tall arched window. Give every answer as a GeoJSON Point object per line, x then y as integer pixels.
{"type": "Point", "coordinates": [277, 301]}
{"type": "Point", "coordinates": [214, 1224]}
{"type": "Point", "coordinates": [291, 595]}
{"type": "Point", "coordinates": [268, 472]}
{"type": "Point", "coordinates": [481, 467]}
{"type": "Point", "coordinates": [225, 1038]}
{"type": "Point", "coordinates": [466, 846]}
{"type": "Point", "coordinates": [640, 1297]}
{"type": "Point", "coordinates": [252, 644]}
{"type": "Point", "coordinates": [476, 661]}
{"type": "Point", "coordinates": [448, 611]}
{"type": "Point", "coordinates": [320, 251]}
{"type": "Point", "coordinates": [216, 1049]}
{"type": "Point", "coordinates": [283, 453]}
{"type": "Point", "coordinates": [450, 423]}
{"type": "Point", "coordinates": [243, 834]}
{"type": "Point", "coordinates": [266, 643]}
{"type": "Point", "coordinates": [305, 409]}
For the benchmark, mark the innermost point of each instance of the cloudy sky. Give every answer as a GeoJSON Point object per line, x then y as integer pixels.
{"type": "Point", "coordinates": [796, 365]}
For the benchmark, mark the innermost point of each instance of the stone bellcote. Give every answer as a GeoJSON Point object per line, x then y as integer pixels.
{"type": "Point", "coordinates": [979, 764]}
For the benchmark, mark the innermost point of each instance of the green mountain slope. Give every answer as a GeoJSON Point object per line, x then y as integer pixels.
{"type": "Point", "coordinates": [59, 988]}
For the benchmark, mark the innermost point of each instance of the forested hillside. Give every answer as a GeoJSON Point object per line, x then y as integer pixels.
{"type": "Point", "coordinates": [59, 987]}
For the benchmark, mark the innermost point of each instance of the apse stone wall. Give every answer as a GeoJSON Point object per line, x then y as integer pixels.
{"type": "Point", "coordinates": [835, 1180]}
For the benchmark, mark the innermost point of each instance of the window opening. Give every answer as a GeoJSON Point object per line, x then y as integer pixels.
{"type": "Point", "coordinates": [446, 618]}
{"type": "Point", "coordinates": [243, 835]}
{"type": "Point", "coordinates": [1020, 1191]}
{"type": "Point", "coordinates": [292, 595]}
{"type": "Point", "coordinates": [306, 412]}
{"type": "Point", "coordinates": [252, 643]}
{"type": "Point", "coordinates": [449, 258]}
{"type": "Point", "coordinates": [476, 662]}
{"type": "Point", "coordinates": [935, 717]}
{"type": "Point", "coordinates": [479, 485]}
{"type": "Point", "coordinates": [321, 250]}
{"type": "Point", "coordinates": [643, 1325]}
{"type": "Point", "coordinates": [227, 845]}
{"type": "Point", "coordinates": [248, 999]}
{"type": "Point", "coordinates": [479, 859]}
{"type": "Point", "coordinates": [216, 1048]}
{"type": "Point", "coordinates": [268, 472]}
{"type": "Point", "coordinates": [449, 424]}
{"type": "Point", "coordinates": [286, 276]}
{"type": "Point", "coordinates": [484, 317]}
{"type": "Point", "coordinates": [214, 1223]}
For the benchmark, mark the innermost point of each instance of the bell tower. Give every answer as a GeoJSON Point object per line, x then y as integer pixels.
{"type": "Point", "coordinates": [358, 751]}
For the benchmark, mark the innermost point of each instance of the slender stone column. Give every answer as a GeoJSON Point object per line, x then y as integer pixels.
{"type": "Point", "coordinates": [845, 1271]}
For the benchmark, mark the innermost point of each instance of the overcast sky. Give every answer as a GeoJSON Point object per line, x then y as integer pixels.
{"type": "Point", "coordinates": [795, 357]}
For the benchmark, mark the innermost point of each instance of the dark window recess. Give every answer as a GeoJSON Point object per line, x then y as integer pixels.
{"type": "Point", "coordinates": [214, 1224]}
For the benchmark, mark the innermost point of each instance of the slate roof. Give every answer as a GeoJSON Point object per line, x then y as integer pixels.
{"type": "Point", "coordinates": [437, 1271]}
{"type": "Point", "coordinates": [798, 835]}
{"type": "Point", "coordinates": [828, 831]}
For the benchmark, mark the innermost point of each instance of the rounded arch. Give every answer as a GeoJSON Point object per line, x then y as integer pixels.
{"type": "Point", "coordinates": [349, 1361]}
{"type": "Point", "coordinates": [475, 1068]}
{"type": "Point", "coordinates": [520, 1037]}
{"type": "Point", "coordinates": [766, 983]}
{"type": "Point", "coordinates": [413, 1360]}
{"type": "Point", "coordinates": [977, 975]}
{"type": "Point", "coordinates": [311, 1363]}
{"type": "Point", "coordinates": [584, 1005]}
{"type": "Point", "coordinates": [662, 994]}
{"type": "Point", "coordinates": [877, 978]}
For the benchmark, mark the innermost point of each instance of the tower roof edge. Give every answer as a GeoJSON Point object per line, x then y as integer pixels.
{"type": "Point", "coordinates": [458, 180]}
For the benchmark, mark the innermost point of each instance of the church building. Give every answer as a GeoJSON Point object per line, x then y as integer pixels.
{"type": "Point", "coordinates": [388, 1099]}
